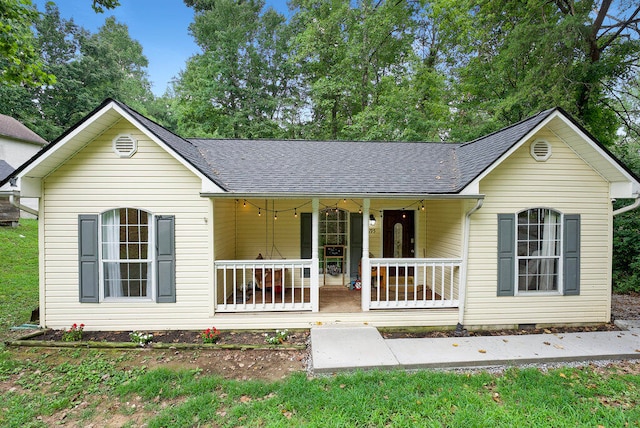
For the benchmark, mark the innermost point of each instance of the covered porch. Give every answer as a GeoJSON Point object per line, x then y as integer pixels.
{"type": "Point", "coordinates": [339, 255]}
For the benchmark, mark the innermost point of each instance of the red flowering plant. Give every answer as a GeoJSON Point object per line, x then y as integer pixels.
{"type": "Point", "coordinates": [74, 334]}
{"type": "Point", "coordinates": [210, 335]}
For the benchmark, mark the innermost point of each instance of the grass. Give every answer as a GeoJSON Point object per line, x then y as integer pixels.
{"type": "Point", "coordinates": [94, 387]}
{"type": "Point", "coordinates": [40, 388]}
{"type": "Point", "coordinates": [18, 274]}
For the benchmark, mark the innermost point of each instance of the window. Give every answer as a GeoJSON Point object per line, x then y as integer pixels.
{"type": "Point", "coordinates": [539, 249]}
{"type": "Point", "coordinates": [333, 231]}
{"type": "Point", "coordinates": [126, 253]}
{"type": "Point", "coordinates": [126, 262]}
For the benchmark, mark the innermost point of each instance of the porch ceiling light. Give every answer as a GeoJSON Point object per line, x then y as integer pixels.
{"type": "Point", "coordinates": [372, 220]}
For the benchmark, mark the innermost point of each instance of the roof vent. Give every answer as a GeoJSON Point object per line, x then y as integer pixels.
{"type": "Point", "coordinates": [125, 146]}
{"type": "Point", "coordinates": [540, 150]}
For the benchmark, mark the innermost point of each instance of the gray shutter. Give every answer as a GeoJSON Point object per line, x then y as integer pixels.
{"type": "Point", "coordinates": [88, 258]}
{"type": "Point", "coordinates": [506, 254]}
{"type": "Point", "coordinates": [166, 259]}
{"type": "Point", "coordinates": [571, 263]}
{"type": "Point", "coordinates": [355, 244]}
{"type": "Point", "coordinates": [305, 239]}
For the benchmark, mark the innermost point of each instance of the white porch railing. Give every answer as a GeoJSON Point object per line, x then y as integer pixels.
{"type": "Point", "coordinates": [262, 285]}
{"type": "Point", "coordinates": [414, 283]}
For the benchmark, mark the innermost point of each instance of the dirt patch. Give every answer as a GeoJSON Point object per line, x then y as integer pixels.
{"type": "Point", "coordinates": [391, 334]}
{"type": "Point", "coordinates": [625, 306]}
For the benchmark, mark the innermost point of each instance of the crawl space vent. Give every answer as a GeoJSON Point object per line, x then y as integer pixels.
{"type": "Point", "coordinates": [125, 146]}
{"type": "Point", "coordinates": [540, 150]}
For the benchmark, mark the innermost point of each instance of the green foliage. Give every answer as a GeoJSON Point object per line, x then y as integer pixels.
{"type": "Point", "coordinates": [18, 274]}
{"type": "Point", "coordinates": [524, 57]}
{"type": "Point", "coordinates": [626, 229]}
{"type": "Point", "coordinates": [20, 63]}
{"type": "Point", "coordinates": [89, 68]}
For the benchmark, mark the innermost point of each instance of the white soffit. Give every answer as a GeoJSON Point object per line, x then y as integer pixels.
{"type": "Point", "coordinates": [72, 143]}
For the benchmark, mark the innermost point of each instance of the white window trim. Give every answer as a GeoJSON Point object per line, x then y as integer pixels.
{"type": "Point", "coordinates": [517, 258]}
{"type": "Point", "coordinates": [152, 260]}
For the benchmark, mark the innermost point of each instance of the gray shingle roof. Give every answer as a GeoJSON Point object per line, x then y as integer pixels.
{"type": "Point", "coordinates": [342, 167]}
{"type": "Point", "coordinates": [11, 127]}
{"type": "Point", "coordinates": [352, 167]}
{"type": "Point", "coordinates": [335, 167]}
{"type": "Point", "coordinates": [5, 170]}
{"type": "Point", "coordinates": [308, 167]}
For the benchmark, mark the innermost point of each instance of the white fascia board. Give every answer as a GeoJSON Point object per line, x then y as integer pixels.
{"type": "Point", "coordinates": [30, 187]}
{"type": "Point", "coordinates": [208, 186]}
{"type": "Point", "coordinates": [623, 190]}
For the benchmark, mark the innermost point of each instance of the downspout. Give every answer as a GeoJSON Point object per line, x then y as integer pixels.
{"type": "Point", "coordinates": [633, 206]}
{"type": "Point", "coordinates": [465, 262]}
{"type": "Point", "coordinates": [15, 203]}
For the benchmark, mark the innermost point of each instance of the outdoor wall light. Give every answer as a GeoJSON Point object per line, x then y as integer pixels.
{"type": "Point", "coordinates": [372, 220]}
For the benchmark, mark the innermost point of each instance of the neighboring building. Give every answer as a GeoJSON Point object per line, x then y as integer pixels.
{"type": "Point", "coordinates": [17, 145]}
{"type": "Point", "coordinates": [142, 229]}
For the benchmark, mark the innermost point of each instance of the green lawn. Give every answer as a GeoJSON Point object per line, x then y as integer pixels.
{"type": "Point", "coordinates": [80, 387]}
{"type": "Point", "coordinates": [18, 274]}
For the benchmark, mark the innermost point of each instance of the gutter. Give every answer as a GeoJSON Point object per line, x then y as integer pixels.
{"type": "Point", "coordinates": [463, 275]}
{"type": "Point", "coordinates": [13, 201]}
{"type": "Point", "coordinates": [633, 206]}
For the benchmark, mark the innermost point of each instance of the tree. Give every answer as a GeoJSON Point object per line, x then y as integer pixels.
{"type": "Point", "coordinates": [240, 85]}
{"type": "Point", "coordinates": [19, 61]}
{"type": "Point", "coordinates": [89, 67]}
{"type": "Point", "coordinates": [523, 57]}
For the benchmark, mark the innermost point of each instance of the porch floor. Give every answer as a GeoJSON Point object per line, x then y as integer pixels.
{"type": "Point", "coordinates": [337, 298]}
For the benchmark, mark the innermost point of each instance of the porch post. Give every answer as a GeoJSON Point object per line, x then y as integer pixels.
{"type": "Point", "coordinates": [365, 267]}
{"type": "Point", "coordinates": [315, 261]}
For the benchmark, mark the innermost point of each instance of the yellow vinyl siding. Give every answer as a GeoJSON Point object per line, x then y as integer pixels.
{"type": "Point", "coordinates": [444, 228]}
{"type": "Point", "coordinates": [95, 180]}
{"type": "Point", "coordinates": [564, 183]}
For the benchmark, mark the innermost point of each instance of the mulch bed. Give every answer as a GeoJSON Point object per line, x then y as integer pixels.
{"type": "Point", "coordinates": [180, 336]}
{"type": "Point", "coordinates": [391, 334]}
{"type": "Point", "coordinates": [302, 337]}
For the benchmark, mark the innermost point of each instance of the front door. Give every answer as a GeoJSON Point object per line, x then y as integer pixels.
{"type": "Point", "coordinates": [398, 236]}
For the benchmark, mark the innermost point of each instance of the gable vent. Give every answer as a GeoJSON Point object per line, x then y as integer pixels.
{"type": "Point", "coordinates": [125, 146]}
{"type": "Point", "coordinates": [540, 150]}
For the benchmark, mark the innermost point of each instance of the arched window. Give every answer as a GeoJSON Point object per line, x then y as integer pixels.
{"type": "Point", "coordinates": [539, 249]}
{"type": "Point", "coordinates": [126, 259]}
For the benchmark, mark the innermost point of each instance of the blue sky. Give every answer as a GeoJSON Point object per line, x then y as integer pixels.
{"type": "Point", "coordinates": [161, 27]}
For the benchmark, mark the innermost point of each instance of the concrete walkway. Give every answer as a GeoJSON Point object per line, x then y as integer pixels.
{"type": "Point", "coordinates": [337, 348]}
